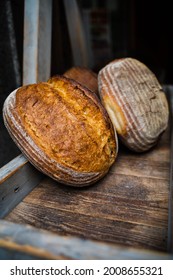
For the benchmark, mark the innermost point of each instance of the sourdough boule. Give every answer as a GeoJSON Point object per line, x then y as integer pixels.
{"type": "Point", "coordinates": [63, 130]}
{"type": "Point", "coordinates": [135, 102]}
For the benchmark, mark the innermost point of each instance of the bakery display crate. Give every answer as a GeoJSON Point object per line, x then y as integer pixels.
{"type": "Point", "coordinates": [126, 215]}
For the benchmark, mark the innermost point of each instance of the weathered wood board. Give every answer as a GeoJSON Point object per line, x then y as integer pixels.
{"type": "Point", "coordinates": [26, 242]}
{"type": "Point", "coordinates": [127, 207]}
{"type": "Point", "coordinates": [17, 179]}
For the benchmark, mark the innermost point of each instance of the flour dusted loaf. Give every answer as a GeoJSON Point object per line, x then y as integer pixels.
{"type": "Point", "coordinates": [63, 130]}
{"type": "Point", "coordinates": [135, 102]}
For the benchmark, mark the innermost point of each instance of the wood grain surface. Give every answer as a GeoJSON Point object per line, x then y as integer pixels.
{"type": "Point", "coordinates": [127, 207]}
{"type": "Point", "coordinates": [26, 242]}
{"type": "Point", "coordinates": [17, 179]}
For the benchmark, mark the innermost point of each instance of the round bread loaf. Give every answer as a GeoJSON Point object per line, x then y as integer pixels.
{"type": "Point", "coordinates": [63, 130]}
{"type": "Point", "coordinates": [135, 102]}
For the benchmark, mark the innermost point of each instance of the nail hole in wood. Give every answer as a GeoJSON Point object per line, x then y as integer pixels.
{"type": "Point", "coordinates": [16, 189]}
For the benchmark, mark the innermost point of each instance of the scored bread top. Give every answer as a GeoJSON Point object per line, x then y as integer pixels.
{"type": "Point", "coordinates": [63, 130]}
{"type": "Point", "coordinates": [135, 102]}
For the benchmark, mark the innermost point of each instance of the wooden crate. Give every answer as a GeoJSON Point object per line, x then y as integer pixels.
{"type": "Point", "coordinates": [126, 215]}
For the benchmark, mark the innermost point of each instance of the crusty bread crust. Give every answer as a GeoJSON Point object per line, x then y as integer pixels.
{"type": "Point", "coordinates": [64, 130]}
{"type": "Point", "coordinates": [135, 102]}
{"type": "Point", "coordinates": [84, 76]}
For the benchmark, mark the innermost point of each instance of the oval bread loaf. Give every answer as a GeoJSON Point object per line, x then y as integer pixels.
{"type": "Point", "coordinates": [135, 102]}
{"type": "Point", "coordinates": [63, 130]}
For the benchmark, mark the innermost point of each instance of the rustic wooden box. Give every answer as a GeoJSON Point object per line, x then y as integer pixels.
{"type": "Point", "coordinates": [126, 215]}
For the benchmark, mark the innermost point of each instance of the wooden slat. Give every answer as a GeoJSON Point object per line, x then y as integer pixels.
{"type": "Point", "coordinates": [44, 40]}
{"type": "Point", "coordinates": [12, 167]}
{"type": "Point", "coordinates": [17, 179]}
{"type": "Point", "coordinates": [25, 242]}
{"type": "Point", "coordinates": [37, 40]}
{"type": "Point", "coordinates": [76, 34]}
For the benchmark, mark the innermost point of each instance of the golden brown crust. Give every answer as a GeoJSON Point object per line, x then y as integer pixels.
{"type": "Point", "coordinates": [84, 76]}
{"type": "Point", "coordinates": [63, 130]}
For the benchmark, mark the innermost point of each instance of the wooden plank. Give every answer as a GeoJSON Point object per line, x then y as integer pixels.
{"type": "Point", "coordinates": [25, 242]}
{"type": "Point", "coordinates": [129, 206]}
{"type": "Point", "coordinates": [30, 55]}
{"type": "Point", "coordinates": [12, 167]}
{"type": "Point", "coordinates": [76, 34]}
{"type": "Point", "coordinates": [37, 40]}
{"type": "Point", "coordinates": [44, 40]}
{"type": "Point", "coordinates": [17, 179]}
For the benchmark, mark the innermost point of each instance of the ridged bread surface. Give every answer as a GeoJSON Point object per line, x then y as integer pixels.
{"type": "Point", "coordinates": [135, 102]}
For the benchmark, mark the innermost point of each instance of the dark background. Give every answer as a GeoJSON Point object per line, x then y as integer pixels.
{"type": "Point", "coordinates": [118, 28]}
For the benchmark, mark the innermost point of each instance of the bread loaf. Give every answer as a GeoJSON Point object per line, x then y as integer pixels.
{"type": "Point", "coordinates": [84, 76]}
{"type": "Point", "coordinates": [63, 130]}
{"type": "Point", "coordinates": [135, 102]}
